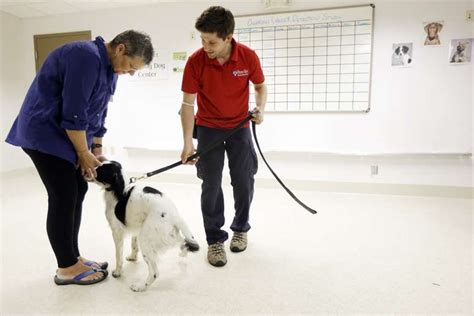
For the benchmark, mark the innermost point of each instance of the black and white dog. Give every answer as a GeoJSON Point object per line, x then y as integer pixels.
{"type": "Point", "coordinates": [403, 54]}
{"type": "Point", "coordinates": [147, 214]}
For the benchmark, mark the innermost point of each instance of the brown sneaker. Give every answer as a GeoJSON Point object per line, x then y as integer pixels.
{"type": "Point", "coordinates": [238, 242]}
{"type": "Point", "coordinates": [216, 254]}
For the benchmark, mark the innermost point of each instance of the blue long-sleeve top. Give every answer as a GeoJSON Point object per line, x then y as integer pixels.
{"type": "Point", "coordinates": [71, 91]}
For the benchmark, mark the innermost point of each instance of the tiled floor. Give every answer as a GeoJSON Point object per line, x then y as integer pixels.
{"type": "Point", "coordinates": [360, 254]}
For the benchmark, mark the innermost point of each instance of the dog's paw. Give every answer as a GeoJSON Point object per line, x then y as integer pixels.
{"type": "Point", "coordinates": [132, 258]}
{"type": "Point", "coordinates": [138, 287]}
{"type": "Point", "coordinates": [116, 273]}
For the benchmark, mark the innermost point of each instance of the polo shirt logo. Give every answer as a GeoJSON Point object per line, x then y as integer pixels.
{"type": "Point", "coordinates": [241, 73]}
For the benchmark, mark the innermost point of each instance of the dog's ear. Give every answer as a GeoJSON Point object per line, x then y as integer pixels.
{"type": "Point", "coordinates": [405, 49]}
{"type": "Point", "coordinates": [117, 177]}
{"type": "Point", "coordinates": [397, 51]}
{"type": "Point", "coordinates": [116, 180]}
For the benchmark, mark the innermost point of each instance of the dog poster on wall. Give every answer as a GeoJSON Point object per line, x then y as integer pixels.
{"type": "Point", "coordinates": [460, 51]}
{"type": "Point", "coordinates": [402, 54]}
{"type": "Point", "coordinates": [432, 30]}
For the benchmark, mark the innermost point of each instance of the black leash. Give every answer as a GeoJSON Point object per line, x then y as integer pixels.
{"type": "Point", "coordinates": [199, 153]}
{"type": "Point", "coordinates": [216, 143]}
{"type": "Point", "coordinates": [306, 207]}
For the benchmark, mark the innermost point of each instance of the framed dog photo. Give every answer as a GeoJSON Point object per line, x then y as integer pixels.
{"type": "Point", "coordinates": [432, 30]}
{"type": "Point", "coordinates": [460, 51]}
{"type": "Point", "coordinates": [402, 54]}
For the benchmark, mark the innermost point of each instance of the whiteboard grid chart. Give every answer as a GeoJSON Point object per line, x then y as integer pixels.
{"type": "Point", "coordinates": [313, 66]}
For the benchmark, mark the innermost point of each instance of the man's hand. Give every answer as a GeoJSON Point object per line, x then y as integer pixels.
{"type": "Point", "coordinates": [88, 162]}
{"type": "Point", "coordinates": [257, 115]}
{"type": "Point", "coordinates": [188, 150]}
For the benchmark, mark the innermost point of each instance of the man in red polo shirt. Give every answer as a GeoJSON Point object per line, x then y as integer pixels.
{"type": "Point", "coordinates": [218, 74]}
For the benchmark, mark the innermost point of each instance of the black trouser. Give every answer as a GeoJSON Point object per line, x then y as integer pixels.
{"type": "Point", "coordinates": [243, 165]}
{"type": "Point", "coordinates": [66, 189]}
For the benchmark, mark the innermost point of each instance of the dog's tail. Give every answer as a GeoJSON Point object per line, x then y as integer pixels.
{"type": "Point", "coordinates": [189, 242]}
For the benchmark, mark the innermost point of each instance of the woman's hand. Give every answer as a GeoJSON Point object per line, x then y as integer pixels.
{"type": "Point", "coordinates": [98, 155]}
{"type": "Point", "coordinates": [88, 163]}
{"type": "Point", "coordinates": [101, 158]}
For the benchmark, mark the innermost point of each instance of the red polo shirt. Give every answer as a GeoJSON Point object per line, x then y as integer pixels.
{"type": "Point", "coordinates": [222, 90]}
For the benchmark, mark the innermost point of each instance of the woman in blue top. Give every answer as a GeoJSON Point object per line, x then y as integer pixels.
{"type": "Point", "coordinates": [61, 125]}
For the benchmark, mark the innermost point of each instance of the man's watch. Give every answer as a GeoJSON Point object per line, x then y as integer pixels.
{"type": "Point", "coordinates": [94, 146]}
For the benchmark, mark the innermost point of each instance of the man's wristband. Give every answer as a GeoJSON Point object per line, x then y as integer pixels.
{"type": "Point", "coordinates": [94, 146]}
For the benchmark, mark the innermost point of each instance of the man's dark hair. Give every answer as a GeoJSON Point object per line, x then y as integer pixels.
{"type": "Point", "coordinates": [137, 44]}
{"type": "Point", "coordinates": [216, 20]}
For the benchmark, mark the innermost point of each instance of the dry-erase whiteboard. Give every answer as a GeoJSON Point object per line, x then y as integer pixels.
{"type": "Point", "coordinates": [313, 60]}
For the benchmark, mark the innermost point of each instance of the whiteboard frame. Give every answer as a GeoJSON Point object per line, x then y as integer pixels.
{"type": "Point", "coordinates": [371, 52]}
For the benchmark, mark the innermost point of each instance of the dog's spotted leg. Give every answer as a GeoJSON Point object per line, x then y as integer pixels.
{"type": "Point", "coordinates": [152, 272]}
{"type": "Point", "coordinates": [118, 240]}
{"type": "Point", "coordinates": [133, 255]}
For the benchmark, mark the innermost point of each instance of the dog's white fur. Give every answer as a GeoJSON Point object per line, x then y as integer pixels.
{"type": "Point", "coordinates": [154, 223]}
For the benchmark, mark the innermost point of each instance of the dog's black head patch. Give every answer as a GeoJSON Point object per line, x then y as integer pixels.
{"type": "Point", "coordinates": [110, 174]}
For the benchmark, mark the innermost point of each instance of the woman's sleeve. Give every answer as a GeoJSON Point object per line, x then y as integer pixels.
{"type": "Point", "coordinates": [81, 70]}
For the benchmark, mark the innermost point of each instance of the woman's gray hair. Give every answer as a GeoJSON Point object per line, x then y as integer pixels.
{"type": "Point", "coordinates": [137, 44]}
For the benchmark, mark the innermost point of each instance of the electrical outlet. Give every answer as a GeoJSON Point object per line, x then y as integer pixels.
{"type": "Point", "coordinates": [374, 170]}
{"type": "Point", "coordinates": [469, 15]}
